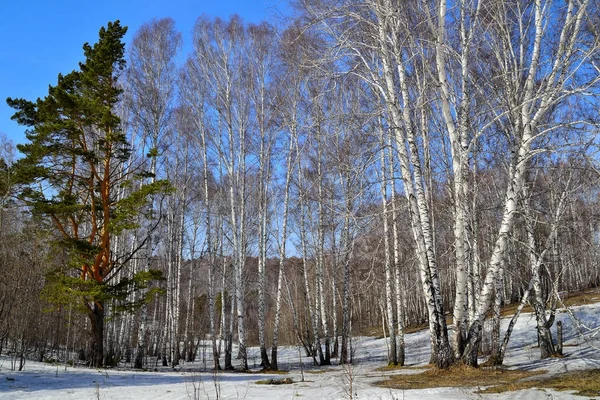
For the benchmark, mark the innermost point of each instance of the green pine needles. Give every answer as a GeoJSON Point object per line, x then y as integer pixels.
{"type": "Point", "coordinates": [78, 173]}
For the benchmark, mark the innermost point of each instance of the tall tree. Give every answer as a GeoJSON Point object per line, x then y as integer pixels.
{"type": "Point", "coordinates": [151, 79]}
{"type": "Point", "coordinates": [71, 171]}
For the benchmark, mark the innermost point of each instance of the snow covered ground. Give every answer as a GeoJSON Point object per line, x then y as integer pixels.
{"type": "Point", "coordinates": [47, 381]}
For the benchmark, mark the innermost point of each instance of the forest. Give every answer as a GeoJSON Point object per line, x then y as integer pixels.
{"type": "Point", "coordinates": [363, 166]}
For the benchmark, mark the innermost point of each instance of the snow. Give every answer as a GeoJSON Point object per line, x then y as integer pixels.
{"type": "Point", "coordinates": [47, 381]}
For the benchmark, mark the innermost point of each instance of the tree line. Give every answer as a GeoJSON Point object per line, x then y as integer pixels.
{"type": "Point", "coordinates": [366, 164]}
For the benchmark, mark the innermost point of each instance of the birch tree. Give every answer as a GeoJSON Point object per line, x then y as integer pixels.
{"type": "Point", "coordinates": [261, 57]}
{"type": "Point", "coordinates": [545, 47]}
{"type": "Point", "coordinates": [219, 51]}
{"type": "Point", "coordinates": [152, 78]}
{"type": "Point", "coordinates": [388, 267]}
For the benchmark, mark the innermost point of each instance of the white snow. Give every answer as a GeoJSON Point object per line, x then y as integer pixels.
{"type": "Point", "coordinates": [47, 381]}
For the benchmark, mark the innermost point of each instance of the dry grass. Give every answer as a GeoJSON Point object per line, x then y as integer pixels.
{"type": "Point", "coordinates": [457, 376]}
{"type": "Point", "coordinates": [510, 309]}
{"type": "Point", "coordinates": [375, 331]}
{"type": "Point", "coordinates": [583, 383]}
{"type": "Point", "coordinates": [589, 296]}
{"type": "Point", "coordinates": [498, 380]}
{"type": "Point", "coordinates": [584, 297]}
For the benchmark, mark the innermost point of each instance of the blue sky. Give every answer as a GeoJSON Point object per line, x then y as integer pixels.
{"type": "Point", "coordinates": [41, 38]}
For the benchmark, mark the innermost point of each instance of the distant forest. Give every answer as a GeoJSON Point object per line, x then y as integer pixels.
{"type": "Point", "coordinates": [368, 166]}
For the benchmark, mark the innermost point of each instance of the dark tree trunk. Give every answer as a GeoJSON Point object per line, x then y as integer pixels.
{"type": "Point", "coordinates": [96, 315]}
{"type": "Point", "coordinates": [139, 358]}
{"type": "Point", "coordinates": [264, 357]}
{"type": "Point", "coordinates": [228, 350]}
{"type": "Point", "coordinates": [215, 354]}
{"type": "Point", "coordinates": [274, 365]}
{"type": "Point", "coordinates": [559, 338]}
{"type": "Point", "coordinates": [543, 330]}
{"type": "Point", "coordinates": [176, 355]}
{"type": "Point", "coordinates": [472, 345]}
{"type": "Point", "coordinates": [344, 358]}
{"type": "Point", "coordinates": [336, 346]}
{"type": "Point", "coordinates": [546, 345]}
{"type": "Point", "coordinates": [401, 351]}
{"type": "Point", "coordinates": [327, 360]}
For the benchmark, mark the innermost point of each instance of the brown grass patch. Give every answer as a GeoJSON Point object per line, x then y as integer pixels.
{"type": "Point", "coordinates": [457, 376]}
{"type": "Point", "coordinates": [510, 309]}
{"type": "Point", "coordinates": [580, 298]}
{"type": "Point", "coordinates": [584, 297]}
{"type": "Point", "coordinates": [374, 331]}
{"type": "Point", "coordinates": [583, 383]}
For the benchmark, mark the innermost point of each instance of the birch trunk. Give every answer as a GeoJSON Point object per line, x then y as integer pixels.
{"type": "Point", "coordinates": [283, 240]}
{"type": "Point", "coordinates": [459, 145]}
{"type": "Point", "coordinates": [152, 80]}
{"type": "Point", "coordinates": [535, 102]}
{"type": "Point", "coordinates": [544, 323]}
{"type": "Point", "coordinates": [334, 292]}
{"type": "Point", "coordinates": [498, 359]}
{"type": "Point", "coordinates": [313, 308]}
{"type": "Point", "coordinates": [347, 246]}
{"type": "Point", "coordinates": [213, 247]}
{"type": "Point", "coordinates": [320, 255]}
{"type": "Point", "coordinates": [400, 292]}
{"type": "Point", "coordinates": [176, 336]}
{"type": "Point", "coordinates": [410, 168]}
{"type": "Point", "coordinates": [392, 353]}
{"type": "Point", "coordinates": [260, 66]}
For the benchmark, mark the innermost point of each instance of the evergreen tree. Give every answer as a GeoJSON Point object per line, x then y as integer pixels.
{"type": "Point", "coordinates": [77, 172]}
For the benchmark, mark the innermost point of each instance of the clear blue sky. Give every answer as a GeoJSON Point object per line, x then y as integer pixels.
{"type": "Point", "coordinates": [41, 38]}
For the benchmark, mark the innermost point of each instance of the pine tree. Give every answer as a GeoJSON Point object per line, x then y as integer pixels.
{"type": "Point", "coordinates": [77, 173]}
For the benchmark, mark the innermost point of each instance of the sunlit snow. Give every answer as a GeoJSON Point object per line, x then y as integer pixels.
{"type": "Point", "coordinates": [47, 381]}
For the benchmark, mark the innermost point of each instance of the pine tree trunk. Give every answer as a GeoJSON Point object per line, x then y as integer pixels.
{"type": "Point", "coordinates": [96, 315]}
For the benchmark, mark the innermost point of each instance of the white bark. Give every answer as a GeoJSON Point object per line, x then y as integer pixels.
{"type": "Point", "coordinates": [313, 308]}
{"type": "Point", "coordinates": [531, 103]}
{"type": "Point", "coordinates": [152, 81]}
{"type": "Point", "coordinates": [290, 163]}
{"type": "Point", "coordinates": [388, 268]}
{"type": "Point", "coordinates": [320, 259]}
